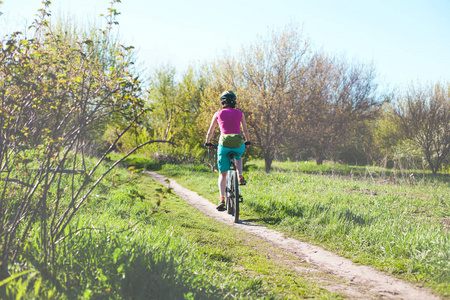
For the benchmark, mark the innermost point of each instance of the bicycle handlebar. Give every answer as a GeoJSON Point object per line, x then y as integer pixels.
{"type": "Point", "coordinates": [209, 145]}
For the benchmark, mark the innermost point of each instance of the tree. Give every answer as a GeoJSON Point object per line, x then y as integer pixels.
{"type": "Point", "coordinates": [314, 129]}
{"type": "Point", "coordinates": [338, 98]}
{"type": "Point", "coordinates": [54, 91]}
{"type": "Point", "coordinates": [424, 115]}
{"type": "Point", "coordinates": [269, 71]}
{"type": "Point", "coordinates": [383, 134]}
{"type": "Point", "coordinates": [175, 108]}
{"type": "Point", "coordinates": [190, 93]}
{"type": "Point", "coordinates": [163, 95]}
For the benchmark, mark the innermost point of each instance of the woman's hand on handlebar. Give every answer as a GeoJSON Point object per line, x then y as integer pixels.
{"type": "Point", "coordinates": [247, 144]}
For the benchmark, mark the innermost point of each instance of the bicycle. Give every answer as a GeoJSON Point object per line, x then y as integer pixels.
{"type": "Point", "coordinates": [232, 193]}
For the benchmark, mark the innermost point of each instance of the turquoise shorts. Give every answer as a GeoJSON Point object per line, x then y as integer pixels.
{"type": "Point", "coordinates": [222, 160]}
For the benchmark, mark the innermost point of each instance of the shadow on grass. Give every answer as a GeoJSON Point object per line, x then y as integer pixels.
{"type": "Point", "coordinates": [348, 215]}
{"type": "Point", "coordinates": [101, 267]}
{"type": "Point", "coordinates": [264, 220]}
{"type": "Point", "coordinates": [153, 277]}
{"type": "Point", "coordinates": [302, 212]}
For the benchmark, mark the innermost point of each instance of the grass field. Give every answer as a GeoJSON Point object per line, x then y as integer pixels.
{"type": "Point", "coordinates": [401, 228]}
{"type": "Point", "coordinates": [134, 238]}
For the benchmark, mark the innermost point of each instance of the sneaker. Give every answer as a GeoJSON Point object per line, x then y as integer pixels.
{"type": "Point", "coordinates": [221, 205]}
{"type": "Point", "coordinates": [242, 181]}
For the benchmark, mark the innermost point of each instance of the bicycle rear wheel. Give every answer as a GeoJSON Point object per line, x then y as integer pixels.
{"type": "Point", "coordinates": [235, 192]}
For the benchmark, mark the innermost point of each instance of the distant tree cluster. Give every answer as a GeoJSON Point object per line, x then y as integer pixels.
{"type": "Point", "coordinates": [304, 104]}
{"type": "Point", "coordinates": [297, 101]}
{"type": "Point", "coordinates": [422, 115]}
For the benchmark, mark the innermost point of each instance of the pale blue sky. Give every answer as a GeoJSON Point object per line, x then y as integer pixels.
{"type": "Point", "coordinates": [407, 40]}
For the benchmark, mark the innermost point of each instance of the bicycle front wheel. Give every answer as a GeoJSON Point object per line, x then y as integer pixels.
{"type": "Point", "coordinates": [235, 192]}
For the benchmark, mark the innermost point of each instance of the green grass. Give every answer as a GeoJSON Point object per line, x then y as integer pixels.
{"type": "Point", "coordinates": [136, 240]}
{"type": "Point", "coordinates": [401, 229]}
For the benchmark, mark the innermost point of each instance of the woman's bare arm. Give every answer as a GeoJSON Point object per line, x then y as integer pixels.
{"type": "Point", "coordinates": [244, 129]}
{"type": "Point", "coordinates": [211, 129]}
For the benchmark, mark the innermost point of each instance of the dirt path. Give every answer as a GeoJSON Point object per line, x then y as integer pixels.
{"type": "Point", "coordinates": [354, 281]}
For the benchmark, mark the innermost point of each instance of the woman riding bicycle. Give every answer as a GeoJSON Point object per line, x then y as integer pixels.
{"type": "Point", "coordinates": [230, 121]}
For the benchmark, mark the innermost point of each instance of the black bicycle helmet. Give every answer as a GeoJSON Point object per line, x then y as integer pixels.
{"type": "Point", "coordinates": [228, 97]}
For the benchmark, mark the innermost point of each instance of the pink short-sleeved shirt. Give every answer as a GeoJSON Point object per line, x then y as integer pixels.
{"type": "Point", "coordinates": [229, 120]}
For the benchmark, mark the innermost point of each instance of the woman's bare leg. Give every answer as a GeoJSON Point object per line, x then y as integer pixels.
{"type": "Point", "coordinates": [222, 181]}
{"type": "Point", "coordinates": [239, 165]}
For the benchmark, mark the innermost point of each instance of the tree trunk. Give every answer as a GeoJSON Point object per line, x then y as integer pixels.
{"type": "Point", "coordinates": [319, 157]}
{"type": "Point", "coordinates": [268, 163]}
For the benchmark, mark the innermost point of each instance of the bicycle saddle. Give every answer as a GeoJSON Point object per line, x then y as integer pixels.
{"type": "Point", "coordinates": [231, 155]}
